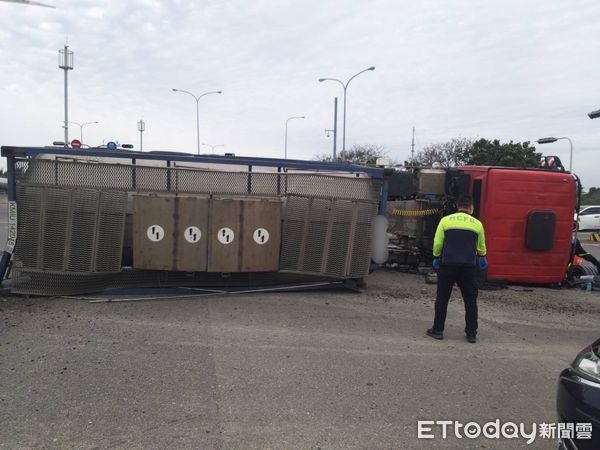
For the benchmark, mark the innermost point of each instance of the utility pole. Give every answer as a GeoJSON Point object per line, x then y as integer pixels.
{"type": "Point", "coordinates": [65, 62]}
{"type": "Point", "coordinates": [412, 152]}
{"type": "Point", "coordinates": [334, 131]}
{"type": "Point", "coordinates": [334, 128]}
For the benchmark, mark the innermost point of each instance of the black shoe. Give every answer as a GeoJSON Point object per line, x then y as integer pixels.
{"type": "Point", "coordinates": [435, 334]}
{"type": "Point", "coordinates": [471, 338]}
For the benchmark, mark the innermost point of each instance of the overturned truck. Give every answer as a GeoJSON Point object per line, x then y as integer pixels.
{"type": "Point", "coordinates": [96, 219]}
{"type": "Point", "coordinates": [527, 215]}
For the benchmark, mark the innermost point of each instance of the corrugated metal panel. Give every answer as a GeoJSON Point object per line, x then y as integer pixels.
{"type": "Point", "coordinates": [327, 237]}
{"type": "Point", "coordinates": [60, 230]}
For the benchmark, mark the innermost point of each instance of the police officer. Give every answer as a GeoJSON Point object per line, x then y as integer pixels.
{"type": "Point", "coordinates": [459, 239]}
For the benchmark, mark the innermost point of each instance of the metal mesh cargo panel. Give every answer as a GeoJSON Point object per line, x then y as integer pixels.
{"type": "Point", "coordinates": [55, 283]}
{"type": "Point", "coordinates": [43, 282]}
{"type": "Point", "coordinates": [139, 178]}
{"type": "Point", "coordinates": [110, 232]}
{"type": "Point", "coordinates": [327, 237]}
{"type": "Point", "coordinates": [67, 231]}
{"type": "Point", "coordinates": [340, 239]}
{"type": "Point", "coordinates": [84, 204]}
{"type": "Point", "coordinates": [72, 221]}
{"type": "Point", "coordinates": [28, 247]}
{"type": "Point", "coordinates": [360, 250]}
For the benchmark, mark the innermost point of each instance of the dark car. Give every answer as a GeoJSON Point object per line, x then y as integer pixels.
{"type": "Point", "coordinates": [578, 400]}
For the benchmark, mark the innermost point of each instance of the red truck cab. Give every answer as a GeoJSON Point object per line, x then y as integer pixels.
{"type": "Point", "coordinates": [527, 215]}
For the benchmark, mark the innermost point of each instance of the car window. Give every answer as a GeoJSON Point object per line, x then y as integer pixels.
{"type": "Point", "coordinates": [595, 210]}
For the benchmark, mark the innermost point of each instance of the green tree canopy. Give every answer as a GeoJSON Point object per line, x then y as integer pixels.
{"type": "Point", "coordinates": [592, 197]}
{"type": "Point", "coordinates": [493, 153]}
{"type": "Point", "coordinates": [483, 152]}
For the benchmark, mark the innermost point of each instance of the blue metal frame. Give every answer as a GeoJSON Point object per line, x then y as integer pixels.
{"type": "Point", "coordinates": [24, 152]}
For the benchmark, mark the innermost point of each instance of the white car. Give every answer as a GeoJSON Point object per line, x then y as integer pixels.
{"type": "Point", "coordinates": [589, 218]}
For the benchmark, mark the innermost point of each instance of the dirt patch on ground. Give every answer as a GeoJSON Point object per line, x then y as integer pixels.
{"type": "Point", "coordinates": [570, 303]}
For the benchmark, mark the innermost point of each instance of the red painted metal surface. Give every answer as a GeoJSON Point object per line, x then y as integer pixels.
{"type": "Point", "coordinates": [507, 197]}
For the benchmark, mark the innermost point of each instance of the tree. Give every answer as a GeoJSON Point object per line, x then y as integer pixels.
{"type": "Point", "coordinates": [445, 154]}
{"type": "Point", "coordinates": [493, 153]}
{"type": "Point", "coordinates": [592, 197]}
{"type": "Point", "coordinates": [483, 152]}
{"type": "Point", "coordinates": [365, 155]}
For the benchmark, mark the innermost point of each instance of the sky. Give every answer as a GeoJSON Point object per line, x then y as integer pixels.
{"type": "Point", "coordinates": [494, 69]}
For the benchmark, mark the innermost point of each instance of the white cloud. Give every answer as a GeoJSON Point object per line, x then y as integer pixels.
{"type": "Point", "coordinates": [496, 69]}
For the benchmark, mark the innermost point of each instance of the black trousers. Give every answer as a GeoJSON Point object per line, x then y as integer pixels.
{"type": "Point", "coordinates": [582, 253]}
{"type": "Point", "coordinates": [466, 278]}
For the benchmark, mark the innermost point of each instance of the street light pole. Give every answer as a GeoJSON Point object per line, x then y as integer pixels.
{"type": "Point", "coordinates": [65, 62]}
{"type": "Point", "coordinates": [286, 130]}
{"type": "Point", "coordinates": [334, 131]}
{"type": "Point", "coordinates": [550, 140]}
{"type": "Point", "coordinates": [141, 129]}
{"type": "Point", "coordinates": [198, 123]}
{"type": "Point", "coordinates": [81, 125]}
{"type": "Point", "coordinates": [345, 87]}
{"type": "Point", "coordinates": [212, 147]}
{"type": "Point", "coordinates": [197, 110]}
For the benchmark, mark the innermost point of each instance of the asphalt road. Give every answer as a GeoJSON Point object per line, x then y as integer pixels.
{"type": "Point", "coordinates": [294, 370]}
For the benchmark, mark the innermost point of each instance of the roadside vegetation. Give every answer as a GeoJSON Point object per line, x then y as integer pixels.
{"type": "Point", "coordinates": [592, 197]}
{"type": "Point", "coordinates": [481, 152]}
